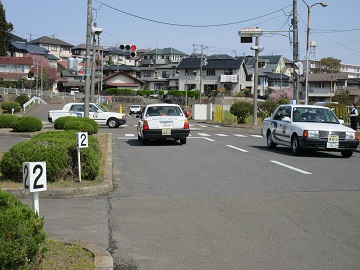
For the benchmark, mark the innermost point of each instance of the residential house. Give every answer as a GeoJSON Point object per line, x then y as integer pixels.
{"type": "Point", "coordinates": [216, 72]}
{"type": "Point", "coordinates": [19, 47]}
{"type": "Point", "coordinates": [15, 68]}
{"type": "Point", "coordinates": [267, 66]}
{"type": "Point", "coordinates": [158, 78]}
{"type": "Point", "coordinates": [158, 57]}
{"type": "Point", "coordinates": [123, 80]}
{"type": "Point", "coordinates": [56, 47]}
{"type": "Point", "coordinates": [79, 51]}
{"type": "Point", "coordinates": [322, 86]}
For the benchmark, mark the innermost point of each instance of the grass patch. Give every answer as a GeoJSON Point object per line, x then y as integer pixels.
{"type": "Point", "coordinates": [61, 256]}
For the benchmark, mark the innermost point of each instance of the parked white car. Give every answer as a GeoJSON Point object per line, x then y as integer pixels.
{"type": "Point", "coordinates": [162, 121]}
{"type": "Point", "coordinates": [96, 112]}
{"type": "Point", "coordinates": [134, 109]}
{"type": "Point", "coordinates": [308, 127]}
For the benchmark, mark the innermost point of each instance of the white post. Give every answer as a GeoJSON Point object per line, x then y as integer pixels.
{"type": "Point", "coordinates": [79, 162]}
{"type": "Point", "coordinates": [35, 202]}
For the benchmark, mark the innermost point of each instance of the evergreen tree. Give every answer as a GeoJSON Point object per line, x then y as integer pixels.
{"type": "Point", "coordinates": [5, 29]}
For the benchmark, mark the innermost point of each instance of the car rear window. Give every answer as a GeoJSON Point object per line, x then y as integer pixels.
{"type": "Point", "coordinates": [163, 111]}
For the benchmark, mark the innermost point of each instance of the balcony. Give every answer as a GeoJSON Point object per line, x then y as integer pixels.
{"type": "Point", "coordinates": [229, 79]}
{"type": "Point", "coordinates": [65, 54]}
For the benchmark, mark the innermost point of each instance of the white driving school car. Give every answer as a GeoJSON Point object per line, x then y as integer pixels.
{"type": "Point", "coordinates": [308, 127]}
{"type": "Point", "coordinates": [162, 121]}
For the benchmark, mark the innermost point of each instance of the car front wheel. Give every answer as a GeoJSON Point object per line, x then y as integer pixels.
{"type": "Point", "coordinates": [295, 147]}
{"type": "Point", "coordinates": [269, 140]}
{"type": "Point", "coordinates": [113, 123]}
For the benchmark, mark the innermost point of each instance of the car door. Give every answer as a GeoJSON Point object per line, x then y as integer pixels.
{"type": "Point", "coordinates": [281, 130]}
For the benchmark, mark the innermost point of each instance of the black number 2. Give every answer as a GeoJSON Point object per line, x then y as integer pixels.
{"type": "Point", "coordinates": [26, 173]}
{"type": "Point", "coordinates": [83, 139]}
{"type": "Point", "coordinates": [36, 186]}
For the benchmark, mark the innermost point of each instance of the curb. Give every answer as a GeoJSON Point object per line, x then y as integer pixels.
{"type": "Point", "coordinates": [102, 258]}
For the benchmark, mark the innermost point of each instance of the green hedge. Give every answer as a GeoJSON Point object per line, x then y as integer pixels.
{"type": "Point", "coordinates": [58, 150]}
{"type": "Point", "coordinates": [119, 91]}
{"type": "Point", "coordinates": [22, 236]}
{"type": "Point", "coordinates": [81, 124]}
{"type": "Point", "coordinates": [7, 106]}
{"type": "Point", "coordinates": [6, 120]}
{"type": "Point", "coordinates": [27, 124]}
{"type": "Point", "coordinates": [22, 99]}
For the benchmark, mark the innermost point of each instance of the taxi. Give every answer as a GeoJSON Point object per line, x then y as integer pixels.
{"type": "Point", "coordinates": [162, 121]}
{"type": "Point", "coordinates": [309, 127]}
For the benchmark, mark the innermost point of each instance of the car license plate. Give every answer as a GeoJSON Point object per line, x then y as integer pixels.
{"type": "Point", "coordinates": [166, 131]}
{"type": "Point", "coordinates": [166, 124]}
{"type": "Point", "coordinates": [333, 141]}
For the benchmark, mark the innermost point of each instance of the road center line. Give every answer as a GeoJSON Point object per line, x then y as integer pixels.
{"type": "Point", "coordinates": [290, 167]}
{"type": "Point", "coordinates": [242, 150]}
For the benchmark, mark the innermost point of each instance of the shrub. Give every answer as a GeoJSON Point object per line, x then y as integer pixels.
{"type": "Point", "coordinates": [61, 122]}
{"type": "Point", "coordinates": [22, 99]}
{"type": "Point", "coordinates": [27, 124]}
{"type": "Point", "coordinates": [79, 126]}
{"type": "Point", "coordinates": [241, 110]}
{"type": "Point", "coordinates": [58, 150]}
{"type": "Point", "coordinates": [6, 120]}
{"type": "Point", "coordinates": [229, 118]}
{"type": "Point", "coordinates": [267, 108]}
{"type": "Point", "coordinates": [22, 236]}
{"type": "Point", "coordinates": [7, 106]}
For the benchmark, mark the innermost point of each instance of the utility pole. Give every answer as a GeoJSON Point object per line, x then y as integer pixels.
{"type": "Point", "coordinates": [256, 81]}
{"type": "Point", "coordinates": [87, 67]}
{"type": "Point", "coordinates": [92, 88]}
{"type": "Point", "coordinates": [296, 75]}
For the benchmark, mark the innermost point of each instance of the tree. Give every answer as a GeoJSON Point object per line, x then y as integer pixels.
{"type": "Point", "coordinates": [241, 110]}
{"type": "Point", "coordinates": [5, 29]}
{"type": "Point", "coordinates": [330, 65]}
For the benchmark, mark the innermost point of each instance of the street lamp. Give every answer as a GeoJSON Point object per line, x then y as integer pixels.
{"type": "Point", "coordinates": [246, 35]}
{"type": "Point", "coordinates": [323, 4]}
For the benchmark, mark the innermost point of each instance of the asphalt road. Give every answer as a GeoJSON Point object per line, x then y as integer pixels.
{"type": "Point", "coordinates": [221, 201]}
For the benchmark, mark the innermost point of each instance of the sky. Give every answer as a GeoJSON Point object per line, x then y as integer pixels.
{"type": "Point", "coordinates": [189, 26]}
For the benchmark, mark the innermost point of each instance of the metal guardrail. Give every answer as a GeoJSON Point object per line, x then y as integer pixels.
{"type": "Point", "coordinates": [33, 99]}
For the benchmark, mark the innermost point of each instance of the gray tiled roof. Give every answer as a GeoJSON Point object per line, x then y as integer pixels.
{"type": "Point", "coordinates": [213, 62]}
{"type": "Point", "coordinates": [51, 41]}
{"type": "Point", "coordinates": [29, 48]}
{"type": "Point", "coordinates": [166, 51]}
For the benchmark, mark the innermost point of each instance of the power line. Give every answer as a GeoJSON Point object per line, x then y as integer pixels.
{"type": "Point", "coordinates": [191, 25]}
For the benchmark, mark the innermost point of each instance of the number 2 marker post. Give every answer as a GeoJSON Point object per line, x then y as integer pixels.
{"type": "Point", "coordinates": [34, 179]}
{"type": "Point", "coordinates": [81, 142]}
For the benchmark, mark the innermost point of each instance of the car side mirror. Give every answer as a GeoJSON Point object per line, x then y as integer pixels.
{"type": "Point", "coordinates": [341, 121]}
{"type": "Point", "coordinates": [286, 119]}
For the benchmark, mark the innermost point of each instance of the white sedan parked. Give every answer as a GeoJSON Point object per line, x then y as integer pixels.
{"type": "Point", "coordinates": [162, 121]}
{"type": "Point", "coordinates": [308, 127]}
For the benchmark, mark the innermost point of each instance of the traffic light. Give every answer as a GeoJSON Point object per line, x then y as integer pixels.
{"type": "Point", "coordinates": [131, 49]}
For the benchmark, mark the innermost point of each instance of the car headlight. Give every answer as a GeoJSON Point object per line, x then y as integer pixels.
{"type": "Point", "coordinates": [350, 135]}
{"type": "Point", "coordinates": [311, 133]}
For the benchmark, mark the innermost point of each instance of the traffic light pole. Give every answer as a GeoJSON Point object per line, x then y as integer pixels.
{"type": "Point", "coordinates": [87, 67]}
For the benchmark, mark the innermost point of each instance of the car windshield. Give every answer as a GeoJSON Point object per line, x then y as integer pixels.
{"type": "Point", "coordinates": [163, 111]}
{"type": "Point", "coordinates": [304, 114]}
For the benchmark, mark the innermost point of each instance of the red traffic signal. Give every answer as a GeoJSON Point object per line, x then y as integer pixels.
{"type": "Point", "coordinates": [131, 49]}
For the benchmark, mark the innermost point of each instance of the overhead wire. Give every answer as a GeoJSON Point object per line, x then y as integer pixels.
{"type": "Point", "coordinates": [190, 25]}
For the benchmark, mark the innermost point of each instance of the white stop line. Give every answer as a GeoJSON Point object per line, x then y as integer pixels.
{"type": "Point", "coordinates": [290, 167]}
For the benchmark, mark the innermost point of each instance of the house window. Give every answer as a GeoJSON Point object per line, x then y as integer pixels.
{"type": "Point", "coordinates": [210, 72]}
{"type": "Point", "coordinates": [147, 74]}
{"type": "Point", "coordinates": [54, 48]}
{"type": "Point", "coordinates": [228, 72]}
{"type": "Point", "coordinates": [320, 85]}
{"type": "Point", "coordinates": [18, 68]}
{"type": "Point", "coordinates": [165, 74]}
{"type": "Point", "coordinates": [3, 68]}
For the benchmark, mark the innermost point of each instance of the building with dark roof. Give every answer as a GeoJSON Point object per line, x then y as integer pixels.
{"type": "Point", "coordinates": [56, 47]}
{"type": "Point", "coordinates": [164, 56]}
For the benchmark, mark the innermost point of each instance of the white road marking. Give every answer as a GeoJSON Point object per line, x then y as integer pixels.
{"type": "Point", "coordinates": [129, 135]}
{"type": "Point", "coordinates": [242, 150]}
{"type": "Point", "coordinates": [240, 135]}
{"type": "Point", "coordinates": [204, 134]}
{"type": "Point", "coordinates": [290, 167]}
{"type": "Point", "coordinates": [211, 140]}
{"type": "Point", "coordinates": [257, 136]}
{"type": "Point", "coordinates": [222, 135]}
